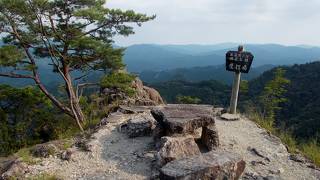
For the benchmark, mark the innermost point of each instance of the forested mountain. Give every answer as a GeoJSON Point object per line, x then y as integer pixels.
{"type": "Point", "coordinates": [196, 74]}
{"type": "Point", "coordinates": [209, 92]}
{"type": "Point", "coordinates": [150, 57]}
{"type": "Point", "coordinates": [301, 113]}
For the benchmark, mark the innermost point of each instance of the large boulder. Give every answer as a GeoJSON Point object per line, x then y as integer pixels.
{"type": "Point", "coordinates": [183, 118]}
{"type": "Point", "coordinates": [146, 96]}
{"type": "Point", "coordinates": [208, 166]}
{"type": "Point", "coordinates": [140, 125]}
{"type": "Point", "coordinates": [173, 148]}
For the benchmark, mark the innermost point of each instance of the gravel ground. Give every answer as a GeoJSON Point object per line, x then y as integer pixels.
{"type": "Point", "coordinates": [265, 155]}
{"type": "Point", "coordinates": [115, 156]}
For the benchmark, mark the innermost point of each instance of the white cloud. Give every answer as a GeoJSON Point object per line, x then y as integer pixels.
{"type": "Point", "coordinates": [212, 21]}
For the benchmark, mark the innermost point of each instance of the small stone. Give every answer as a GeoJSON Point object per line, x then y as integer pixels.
{"type": "Point", "coordinates": [280, 170]}
{"type": "Point", "coordinates": [66, 155]}
{"type": "Point", "coordinates": [230, 117]}
{"type": "Point", "coordinates": [149, 155]}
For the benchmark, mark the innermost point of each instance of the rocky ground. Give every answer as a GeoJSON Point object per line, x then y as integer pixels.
{"type": "Point", "coordinates": [264, 154]}
{"type": "Point", "coordinates": [111, 154]}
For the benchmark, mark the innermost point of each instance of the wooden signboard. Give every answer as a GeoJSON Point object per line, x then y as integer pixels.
{"type": "Point", "coordinates": [238, 61]}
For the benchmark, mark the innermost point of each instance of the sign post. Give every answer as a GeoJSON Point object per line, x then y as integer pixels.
{"type": "Point", "coordinates": [238, 62]}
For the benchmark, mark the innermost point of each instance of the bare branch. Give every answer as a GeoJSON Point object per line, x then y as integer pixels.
{"type": "Point", "coordinates": [14, 75]}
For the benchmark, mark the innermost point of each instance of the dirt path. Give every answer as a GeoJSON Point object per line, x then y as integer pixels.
{"type": "Point", "coordinates": [113, 156]}
{"type": "Point", "coordinates": [265, 155]}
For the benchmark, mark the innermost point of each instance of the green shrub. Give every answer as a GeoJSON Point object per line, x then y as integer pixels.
{"type": "Point", "coordinates": [120, 81]}
{"type": "Point", "coordinates": [44, 176]}
{"type": "Point", "coordinates": [26, 156]}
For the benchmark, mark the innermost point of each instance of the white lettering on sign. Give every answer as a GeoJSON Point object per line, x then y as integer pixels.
{"type": "Point", "coordinates": [238, 67]}
{"type": "Point", "coordinates": [244, 67]}
{"type": "Point", "coordinates": [231, 66]}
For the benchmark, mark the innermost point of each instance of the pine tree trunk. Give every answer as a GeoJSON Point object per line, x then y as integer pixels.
{"type": "Point", "coordinates": [73, 100]}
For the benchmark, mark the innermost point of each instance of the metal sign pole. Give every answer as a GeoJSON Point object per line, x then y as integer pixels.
{"type": "Point", "coordinates": [235, 88]}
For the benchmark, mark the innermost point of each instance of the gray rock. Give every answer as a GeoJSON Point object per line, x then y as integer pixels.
{"type": "Point", "coordinates": [44, 150]}
{"type": "Point", "coordinates": [141, 125]}
{"type": "Point", "coordinates": [66, 155]}
{"type": "Point", "coordinates": [146, 96]}
{"type": "Point", "coordinates": [115, 117]}
{"type": "Point", "coordinates": [6, 163]}
{"type": "Point", "coordinates": [230, 117]}
{"type": "Point", "coordinates": [133, 109]}
{"type": "Point", "coordinates": [211, 165]}
{"type": "Point", "coordinates": [17, 170]}
{"type": "Point", "coordinates": [173, 148]}
{"type": "Point", "coordinates": [219, 111]}
{"type": "Point", "coordinates": [210, 137]}
{"type": "Point", "coordinates": [298, 158]}
{"type": "Point", "coordinates": [183, 118]}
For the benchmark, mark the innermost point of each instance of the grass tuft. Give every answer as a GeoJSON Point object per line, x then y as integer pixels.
{"type": "Point", "coordinates": [44, 176]}
{"type": "Point", "coordinates": [26, 156]}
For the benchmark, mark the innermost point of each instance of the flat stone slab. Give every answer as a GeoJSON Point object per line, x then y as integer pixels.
{"type": "Point", "coordinates": [211, 165]}
{"type": "Point", "coordinates": [230, 117]}
{"type": "Point", "coordinates": [134, 109]}
{"type": "Point", "coordinates": [183, 118]}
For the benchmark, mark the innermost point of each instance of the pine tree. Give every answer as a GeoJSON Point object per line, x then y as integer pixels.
{"type": "Point", "coordinates": [70, 35]}
{"type": "Point", "coordinates": [273, 95]}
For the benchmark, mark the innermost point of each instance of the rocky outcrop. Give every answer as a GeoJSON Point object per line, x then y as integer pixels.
{"type": "Point", "coordinates": [146, 96]}
{"type": "Point", "coordinates": [173, 148]}
{"type": "Point", "coordinates": [211, 165]}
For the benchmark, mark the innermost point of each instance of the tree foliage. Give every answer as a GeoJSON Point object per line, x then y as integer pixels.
{"type": "Point", "coordinates": [273, 95]}
{"type": "Point", "coordinates": [70, 35]}
{"type": "Point", "coordinates": [209, 92]}
{"type": "Point", "coordinates": [27, 117]}
{"type": "Point", "coordinates": [121, 81]}
{"type": "Point", "coordinates": [187, 99]}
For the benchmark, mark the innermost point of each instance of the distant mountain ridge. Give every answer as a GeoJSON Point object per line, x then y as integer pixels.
{"type": "Point", "coordinates": [197, 74]}
{"type": "Point", "coordinates": [152, 57]}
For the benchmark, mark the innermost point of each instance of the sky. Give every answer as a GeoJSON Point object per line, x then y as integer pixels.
{"type": "Point", "coordinates": [287, 22]}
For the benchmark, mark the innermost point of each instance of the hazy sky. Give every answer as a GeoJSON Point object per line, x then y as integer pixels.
{"type": "Point", "coordinates": [288, 22]}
